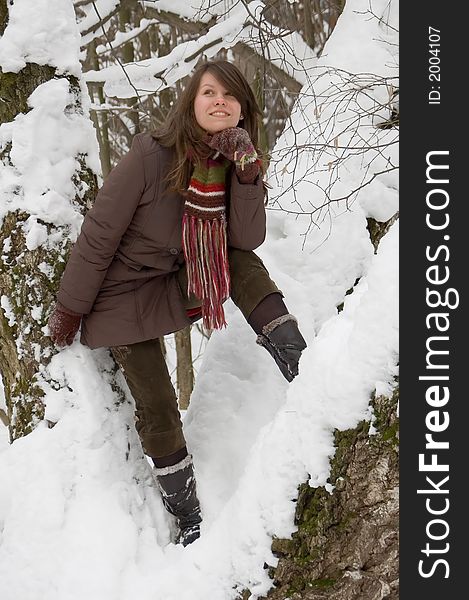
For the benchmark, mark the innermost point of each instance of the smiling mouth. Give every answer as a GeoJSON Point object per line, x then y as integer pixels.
{"type": "Point", "coordinates": [219, 114]}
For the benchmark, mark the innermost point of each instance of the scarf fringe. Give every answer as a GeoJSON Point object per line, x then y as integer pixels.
{"type": "Point", "coordinates": [208, 274]}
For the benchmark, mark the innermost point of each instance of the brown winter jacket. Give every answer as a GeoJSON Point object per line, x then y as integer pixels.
{"type": "Point", "coordinates": [121, 274]}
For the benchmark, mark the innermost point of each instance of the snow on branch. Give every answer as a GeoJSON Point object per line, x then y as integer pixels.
{"type": "Point", "coordinates": [41, 32]}
{"type": "Point", "coordinates": [123, 37]}
{"type": "Point", "coordinates": [239, 23]}
{"type": "Point", "coordinates": [341, 139]}
{"type": "Point", "coordinates": [194, 10]}
{"type": "Point", "coordinates": [155, 74]}
{"type": "Point", "coordinates": [283, 49]}
{"type": "Point", "coordinates": [93, 16]}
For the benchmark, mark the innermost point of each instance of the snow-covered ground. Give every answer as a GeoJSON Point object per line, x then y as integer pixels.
{"type": "Point", "coordinates": [4, 439]}
{"type": "Point", "coordinates": [79, 514]}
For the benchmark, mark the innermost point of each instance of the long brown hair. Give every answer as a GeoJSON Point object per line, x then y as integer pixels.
{"type": "Point", "coordinates": [181, 130]}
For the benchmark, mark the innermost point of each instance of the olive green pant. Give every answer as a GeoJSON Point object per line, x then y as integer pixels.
{"type": "Point", "coordinates": [158, 421]}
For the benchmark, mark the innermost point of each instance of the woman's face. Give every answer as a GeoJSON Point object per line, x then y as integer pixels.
{"type": "Point", "coordinates": [214, 107]}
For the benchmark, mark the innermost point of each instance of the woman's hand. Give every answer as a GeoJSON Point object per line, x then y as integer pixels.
{"type": "Point", "coordinates": [236, 145]}
{"type": "Point", "coordinates": [63, 325]}
{"type": "Point", "coordinates": [233, 143]}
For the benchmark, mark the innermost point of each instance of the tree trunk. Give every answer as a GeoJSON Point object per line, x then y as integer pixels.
{"type": "Point", "coordinates": [100, 118]}
{"type": "Point", "coordinates": [346, 546]}
{"type": "Point", "coordinates": [184, 369]}
{"type": "Point", "coordinates": [308, 24]}
{"type": "Point", "coordinates": [3, 15]}
{"type": "Point", "coordinates": [128, 55]}
{"type": "Point", "coordinates": [29, 277]}
{"type": "Point", "coordinates": [4, 417]}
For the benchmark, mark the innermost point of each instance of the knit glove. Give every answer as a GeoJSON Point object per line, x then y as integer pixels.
{"type": "Point", "coordinates": [63, 325]}
{"type": "Point", "coordinates": [236, 145]}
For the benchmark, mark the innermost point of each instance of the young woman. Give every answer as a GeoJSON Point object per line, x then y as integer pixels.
{"type": "Point", "coordinates": [170, 237]}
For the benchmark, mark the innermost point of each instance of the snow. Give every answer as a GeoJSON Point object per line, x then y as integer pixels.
{"type": "Point", "coordinates": [7, 310]}
{"type": "Point", "coordinates": [80, 515]}
{"type": "Point", "coordinates": [43, 164]}
{"type": "Point", "coordinates": [122, 37]}
{"type": "Point", "coordinates": [55, 43]}
{"type": "Point", "coordinates": [189, 10]}
{"type": "Point", "coordinates": [93, 13]}
{"type": "Point", "coordinates": [4, 438]}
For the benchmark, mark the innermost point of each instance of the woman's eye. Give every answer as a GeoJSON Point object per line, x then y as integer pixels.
{"type": "Point", "coordinates": [211, 93]}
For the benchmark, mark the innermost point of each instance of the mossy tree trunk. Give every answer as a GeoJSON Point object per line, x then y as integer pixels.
{"type": "Point", "coordinates": [346, 546]}
{"type": "Point", "coordinates": [29, 278]}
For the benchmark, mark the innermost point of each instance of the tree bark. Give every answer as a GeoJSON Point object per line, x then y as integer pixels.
{"type": "Point", "coordinates": [3, 15]}
{"type": "Point", "coordinates": [346, 546]}
{"type": "Point", "coordinates": [100, 118]}
{"type": "Point", "coordinates": [29, 278]}
{"type": "Point", "coordinates": [308, 24]}
{"type": "Point", "coordinates": [184, 369]}
{"type": "Point", "coordinates": [128, 55]}
{"type": "Point", "coordinates": [4, 417]}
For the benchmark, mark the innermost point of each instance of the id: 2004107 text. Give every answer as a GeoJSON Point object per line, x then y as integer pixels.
{"type": "Point", "coordinates": [434, 69]}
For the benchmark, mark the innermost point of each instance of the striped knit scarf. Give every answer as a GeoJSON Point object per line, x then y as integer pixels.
{"type": "Point", "coordinates": [204, 239]}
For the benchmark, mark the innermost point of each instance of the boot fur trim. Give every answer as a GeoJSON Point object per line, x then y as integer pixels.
{"type": "Point", "coordinates": [274, 324]}
{"type": "Point", "coordinates": [182, 464]}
